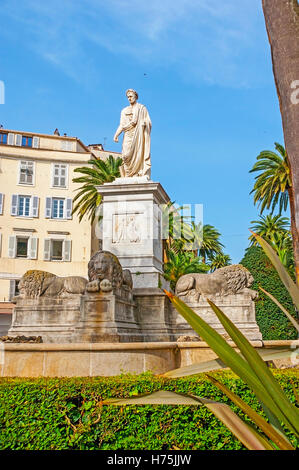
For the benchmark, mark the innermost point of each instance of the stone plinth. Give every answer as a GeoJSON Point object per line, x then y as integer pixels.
{"type": "Point", "coordinates": [154, 314]}
{"type": "Point", "coordinates": [132, 227]}
{"type": "Point", "coordinates": [239, 308]}
{"type": "Point", "coordinates": [87, 318]}
{"type": "Point", "coordinates": [107, 318]}
{"type": "Point", "coordinates": [54, 319]}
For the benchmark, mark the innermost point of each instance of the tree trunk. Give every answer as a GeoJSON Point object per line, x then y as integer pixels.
{"type": "Point", "coordinates": [282, 23]}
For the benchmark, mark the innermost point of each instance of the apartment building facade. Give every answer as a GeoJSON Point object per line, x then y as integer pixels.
{"type": "Point", "coordinates": [37, 228]}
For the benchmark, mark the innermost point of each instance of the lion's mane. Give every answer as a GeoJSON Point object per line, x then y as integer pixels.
{"type": "Point", "coordinates": [112, 271]}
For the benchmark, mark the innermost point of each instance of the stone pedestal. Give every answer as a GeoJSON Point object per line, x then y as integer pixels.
{"type": "Point", "coordinates": [88, 318]}
{"type": "Point", "coordinates": [54, 319]}
{"type": "Point", "coordinates": [131, 227]}
{"type": "Point", "coordinates": [154, 314]}
{"type": "Point", "coordinates": [107, 318]}
{"type": "Point", "coordinates": [239, 308]}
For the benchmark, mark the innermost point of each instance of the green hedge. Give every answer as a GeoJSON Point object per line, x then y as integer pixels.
{"type": "Point", "coordinates": [272, 321]}
{"type": "Point", "coordinates": [45, 414]}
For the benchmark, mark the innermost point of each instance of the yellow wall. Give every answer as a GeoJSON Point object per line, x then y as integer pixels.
{"type": "Point", "coordinates": [79, 233]}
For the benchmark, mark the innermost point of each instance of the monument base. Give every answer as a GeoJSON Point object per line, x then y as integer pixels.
{"type": "Point", "coordinates": [132, 210]}
{"type": "Point", "coordinates": [123, 316]}
{"type": "Point", "coordinates": [108, 359]}
{"type": "Point", "coordinates": [239, 308]}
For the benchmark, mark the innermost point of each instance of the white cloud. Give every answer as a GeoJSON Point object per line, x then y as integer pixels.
{"type": "Point", "coordinates": [206, 40]}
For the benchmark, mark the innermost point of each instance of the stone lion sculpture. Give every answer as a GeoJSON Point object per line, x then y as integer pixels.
{"type": "Point", "coordinates": [105, 273]}
{"type": "Point", "coordinates": [35, 283]}
{"type": "Point", "coordinates": [234, 279]}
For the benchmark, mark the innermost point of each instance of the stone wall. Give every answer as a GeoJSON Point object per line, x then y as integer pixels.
{"type": "Point", "coordinates": [90, 360]}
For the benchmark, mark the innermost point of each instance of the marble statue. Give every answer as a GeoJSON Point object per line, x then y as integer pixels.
{"type": "Point", "coordinates": [36, 283]}
{"type": "Point", "coordinates": [136, 125]}
{"type": "Point", "coordinates": [234, 279]}
{"type": "Point", "coordinates": [106, 274]}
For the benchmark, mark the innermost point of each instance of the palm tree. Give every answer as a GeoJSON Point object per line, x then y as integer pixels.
{"type": "Point", "coordinates": [205, 241]}
{"type": "Point", "coordinates": [180, 263]}
{"type": "Point", "coordinates": [99, 172]}
{"type": "Point", "coordinates": [274, 185]}
{"type": "Point", "coordinates": [276, 231]}
{"type": "Point", "coordinates": [219, 260]}
{"type": "Point", "coordinates": [176, 231]}
{"type": "Point", "coordinates": [282, 23]}
{"type": "Point", "coordinates": [269, 227]}
{"type": "Point", "coordinates": [284, 248]}
{"type": "Point", "coordinates": [274, 180]}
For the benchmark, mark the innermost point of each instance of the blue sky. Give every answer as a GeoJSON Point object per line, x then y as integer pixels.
{"type": "Point", "coordinates": [202, 68]}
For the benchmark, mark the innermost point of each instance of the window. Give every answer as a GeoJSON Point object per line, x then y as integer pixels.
{"type": "Point", "coordinates": [57, 249]}
{"type": "Point", "coordinates": [3, 138]}
{"type": "Point", "coordinates": [57, 208]}
{"type": "Point", "coordinates": [67, 145]}
{"type": "Point", "coordinates": [1, 203]}
{"type": "Point", "coordinates": [24, 206]}
{"type": "Point", "coordinates": [59, 176]}
{"type": "Point", "coordinates": [26, 141]}
{"type": "Point", "coordinates": [14, 288]}
{"type": "Point", "coordinates": [26, 172]}
{"type": "Point", "coordinates": [22, 247]}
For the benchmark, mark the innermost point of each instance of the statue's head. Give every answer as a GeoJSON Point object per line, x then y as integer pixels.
{"type": "Point", "coordinates": [105, 265]}
{"type": "Point", "coordinates": [132, 95]}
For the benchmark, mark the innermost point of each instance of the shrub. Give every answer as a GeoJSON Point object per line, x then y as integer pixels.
{"type": "Point", "coordinates": [273, 323]}
{"type": "Point", "coordinates": [56, 414]}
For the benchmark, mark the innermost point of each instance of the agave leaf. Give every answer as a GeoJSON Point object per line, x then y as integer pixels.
{"type": "Point", "coordinates": [196, 368]}
{"type": "Point", "coordinates": [282, 272]}
{"type": "Point", "coordinates": [216, 364]}
{"type": "Point", "coordinates": [251, 439]}
{"type": "Point", "coordinates": [290, 317]}
{"type": "Point", "coordinates": [269, 430]}
{"type": "Point", "coordinates": [272, 354]}
{"type": "Point", "coordinates": [227, 354]}
{"type": "Point", "coordinates": [288, 413]}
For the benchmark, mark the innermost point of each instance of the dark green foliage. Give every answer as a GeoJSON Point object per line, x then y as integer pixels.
{"type": "Point", "coordinates": [273, 323]}
{"type": "Point", "coordinates": [45, 414]}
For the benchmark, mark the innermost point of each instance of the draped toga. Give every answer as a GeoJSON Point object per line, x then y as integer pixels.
{"type": "Point", "coordinates": [136, 142]}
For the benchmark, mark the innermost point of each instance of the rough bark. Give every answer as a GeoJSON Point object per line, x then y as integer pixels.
{"type": "Point", "coordinates": [282, 23]}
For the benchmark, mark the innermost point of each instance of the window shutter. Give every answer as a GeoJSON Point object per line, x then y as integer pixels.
{"type": "Point", "coordinates": [47, 249]}
{"type": "Point", "coordinates": [34, 203]}
{"type": "Point", "coordinates": [35, 142]}
{"type": "Point", "coordinates": [12, 288]}
{"type": "Point", "coordinates": [11, 139]}
{"type": "Point", "coordinates": [18, 140]}
{"type": "Point", "coordinates": [64, 175]}
{"type": "Point", "coordinates": [32, 247]}
{"type": "Point", "coordinates": [69, 207]}
{"type": "Point", "coordinates": [14, 204]}
{"type": "Point", "coordinates": [48, 208]}
{"type": "Point", "coordinates": [12, 245]}
{"type": "Point", "coordinates": [1, 203]}
{"type": "Point", "coordinates": [67, 246]}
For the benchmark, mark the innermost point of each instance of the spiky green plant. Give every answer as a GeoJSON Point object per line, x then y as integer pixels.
{"type": "Point", "coordinates": [249, 366]}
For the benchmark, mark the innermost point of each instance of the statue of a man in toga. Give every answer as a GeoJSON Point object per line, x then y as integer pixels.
{"type": "Point", "coordinates": [136, 125]}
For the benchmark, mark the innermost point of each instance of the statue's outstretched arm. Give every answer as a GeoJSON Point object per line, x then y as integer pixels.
{"type": "Point", "coordinates": [119, 130]}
